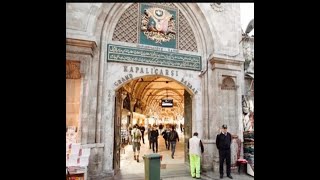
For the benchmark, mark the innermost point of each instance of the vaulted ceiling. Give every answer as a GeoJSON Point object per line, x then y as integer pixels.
{"type": "Point", "coordinates": [149, 90]}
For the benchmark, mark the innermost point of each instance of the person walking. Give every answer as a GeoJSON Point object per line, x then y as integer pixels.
{"type": "Point", "coordinates": [160, 127]}
{"type": "Point", "coordinates": [165, 135]}
{"type": "Point", "coordinates": [142, 129]}
{"type": "Point", "coordinates": [173, 140]}
{"type": "Point", "coordinates": [130, 131]}
{"type": "Point", "coordinates": [154, 138]}
{"type": "Point", "coordinates": [149, 134]}
{"type": "Point", "coordinates": [136, 138]}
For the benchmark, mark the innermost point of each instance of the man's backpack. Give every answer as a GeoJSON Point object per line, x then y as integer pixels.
{"type": "Point", "coordinates": [136, 134]}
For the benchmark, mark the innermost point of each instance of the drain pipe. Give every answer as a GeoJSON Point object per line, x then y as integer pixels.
{"type": "Point", "coordinates": [203, 72]}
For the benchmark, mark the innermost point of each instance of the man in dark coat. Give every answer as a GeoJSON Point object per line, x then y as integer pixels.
{"type": "Point", "coordinates": [154, 138]}
{"type": "Point", "coordinates": [173, 137]}
{"type": "Point", "coordinates": [223, 142]}
{"type": "Point", "coordinates": [142, 129]}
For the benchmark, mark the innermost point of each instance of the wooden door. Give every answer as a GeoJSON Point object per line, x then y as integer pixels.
{"type": "Point", "coordinates": [187, 123]}
{"type": "Point", "coordinates": [117, 132]}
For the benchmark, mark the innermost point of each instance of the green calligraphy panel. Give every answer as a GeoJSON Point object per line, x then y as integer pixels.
{"type": "Point", "coordinates": [125, 54]}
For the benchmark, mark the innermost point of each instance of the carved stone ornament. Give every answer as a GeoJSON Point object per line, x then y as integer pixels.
{"type": "Point", "coordinates": [158, 25]}
{"type": "Point", "coordinates": [228, 84]}
{"type": "Point", "coordinates": [126, 28]}
{"type": "Point", "coordinates": [73, 70]}
{"type": "Point", "coordinates": [217, 7]}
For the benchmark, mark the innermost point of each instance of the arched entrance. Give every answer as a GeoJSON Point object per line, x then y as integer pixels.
{"type": "Point", "coordinates": [117, 66]}
{"type": "Point", "coordinates": [138, 101]}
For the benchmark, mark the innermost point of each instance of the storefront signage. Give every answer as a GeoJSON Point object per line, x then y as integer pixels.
{"type": "Point", "coordinates": [151, 71]}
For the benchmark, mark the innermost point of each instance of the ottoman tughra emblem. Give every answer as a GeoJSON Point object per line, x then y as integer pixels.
{"type": "Point", "coordinates": [158, 25]}
{"type": "Point", "coordinates": [217, 7]}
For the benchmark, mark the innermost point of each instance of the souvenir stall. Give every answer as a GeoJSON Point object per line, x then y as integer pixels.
{"type": "Point", "coordinates": [248, 135]}
{"type": "Point", "coordinates": [77, 160]}
{"type": "Point", "coordinates": [125, 121]}
{"type": "Point", "coordinates": [248, 103]}
{"type": "Point", "coordinates": [248, 151]}
{"type": "Point", "coordinates": [235, 151]}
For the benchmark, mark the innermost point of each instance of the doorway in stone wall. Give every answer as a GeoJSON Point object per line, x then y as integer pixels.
{"type": "Point", "coordinates": [139, 101]}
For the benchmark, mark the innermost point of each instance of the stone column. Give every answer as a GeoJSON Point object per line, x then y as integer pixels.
{"type": "Point", "coordinates": [81, 50]}
{"type": "Point", "coordinates": [123, 96]}
{"type": "Point", "coordinates": [107, 115]}
{"type": "Point", "coordinates": [85, 52]}
{"type": "Point", "coordinates": [133, 101]}
{"type": "Point", "coordinates": [225, 98]}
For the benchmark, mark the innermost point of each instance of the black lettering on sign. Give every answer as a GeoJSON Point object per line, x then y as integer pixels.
{"type": "Point", "coordinates": [123, 79]}
{"type": "Point", "coordinates": [189, 85]}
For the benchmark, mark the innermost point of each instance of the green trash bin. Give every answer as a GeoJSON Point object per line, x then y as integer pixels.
{"type": "Point", "coordinates": [152, 166]}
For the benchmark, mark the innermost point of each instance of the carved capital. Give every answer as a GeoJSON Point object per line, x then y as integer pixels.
{"type": "Point", "coordinates": [133, 101]}
{"type": "Point", "coordinates": [124, 95]}
{"type": "Point", "coordinates": [218, 62]}
{"type": "Point", "coordinates": [73, 70]}
{"type": "Point", "coordinates": [81, 46]}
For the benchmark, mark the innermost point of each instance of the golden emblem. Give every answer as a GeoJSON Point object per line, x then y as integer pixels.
{"type": "Point", "coordinates": [158, 25]}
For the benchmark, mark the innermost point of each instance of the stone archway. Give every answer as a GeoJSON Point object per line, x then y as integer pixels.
{"type": "Point", "coordinates": [107, 69]}
{"type": "Point", "coordinates": [117, 79]}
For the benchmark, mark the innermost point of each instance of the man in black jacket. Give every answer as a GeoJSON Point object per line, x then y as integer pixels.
{"type": "Point", "coordinates": [142, 129]}
{"type": "Point", "coordinates": [154, 138]}
{"type": "Point", "coordinates": [223, 142]}
{"type": "Point", "coordinates": [173, 137]}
